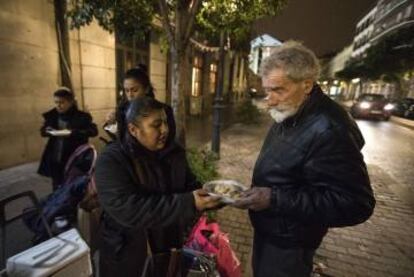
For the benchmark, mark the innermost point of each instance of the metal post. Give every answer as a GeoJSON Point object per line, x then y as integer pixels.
{"type": "Point", "coordinates": [218, 100]}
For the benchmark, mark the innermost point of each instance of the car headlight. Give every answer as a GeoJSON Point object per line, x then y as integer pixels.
{"type": "Point", "coordinates": [365, 105]}
{"type": "Point", "coordinates": [388, 107]}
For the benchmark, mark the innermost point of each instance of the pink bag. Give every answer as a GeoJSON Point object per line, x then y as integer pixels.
{"type": "Point", "coordinates": [216, 243]}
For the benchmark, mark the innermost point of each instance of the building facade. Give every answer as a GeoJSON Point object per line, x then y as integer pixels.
{"type": "Point", "coordinates": [31, 50]}
{"type": "Point", "coordinates": [260, 48]}
{"type": "Point", "coordinates": [392, 15]}
{"type": "Point", "coordinates": [363, 33]}
{"type": "Point", "coordinates": [387, 17]}
{"type": "Point", "coordinates": [38, 56]}
{"type": "Point", "coordinates": [331, 84]}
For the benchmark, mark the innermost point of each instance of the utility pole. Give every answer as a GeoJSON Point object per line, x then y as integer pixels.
{"type": "Point", "coordinates": [218, 99]}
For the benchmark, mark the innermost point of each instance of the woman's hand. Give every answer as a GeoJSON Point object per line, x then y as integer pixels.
{"type": "Point", "coordinates": [203, 201]}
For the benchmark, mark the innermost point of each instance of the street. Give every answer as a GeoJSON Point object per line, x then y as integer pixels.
{"type": "Point", "coordinates": [390, 147]}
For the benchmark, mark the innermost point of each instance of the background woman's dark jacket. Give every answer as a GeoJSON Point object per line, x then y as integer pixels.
{"type": "Point", "coordinates": [144, 199]}
{"type": "Point", "coordinates": [82, 128]}
{"type": "Point", "coordinates": [312, 162]}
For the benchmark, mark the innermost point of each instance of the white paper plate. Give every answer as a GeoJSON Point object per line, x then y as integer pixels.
{"type": "Point", "coordinates": [113, 128]}
{"type": "Point", "coordinates": [60, 133]}
{"type": "Point", "coordinates": [234, 185]}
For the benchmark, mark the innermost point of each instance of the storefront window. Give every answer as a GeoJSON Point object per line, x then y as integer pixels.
{"type": "Point", "coordinates": [196, 77]}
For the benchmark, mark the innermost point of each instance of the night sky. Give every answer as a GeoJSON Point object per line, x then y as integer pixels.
{"type": "Point", "coordinates": [322, 25]}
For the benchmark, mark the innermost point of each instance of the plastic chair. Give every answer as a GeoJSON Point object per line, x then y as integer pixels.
{"type": "Point", "coordinates": [5, 221]}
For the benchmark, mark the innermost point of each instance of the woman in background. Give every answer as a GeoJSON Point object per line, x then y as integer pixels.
{"type": "Point", "coordinates": [136, 84]}
{"type": "Point", "coordinates": [67, 128]}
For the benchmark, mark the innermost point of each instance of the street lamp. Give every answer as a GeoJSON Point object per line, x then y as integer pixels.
{"type": "Point", "coordinates": [218, 99]}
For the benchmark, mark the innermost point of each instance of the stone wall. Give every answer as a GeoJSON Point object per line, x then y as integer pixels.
{"type": "Point", "coordinates": [30, 74]}
{"type": "Point", "coordinates": [29, 62]}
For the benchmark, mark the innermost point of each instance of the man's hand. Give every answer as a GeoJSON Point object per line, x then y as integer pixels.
{"type": "Point", "coordinates": [256, 199]}
{"type": "Point", "coordinates": [203, 201]}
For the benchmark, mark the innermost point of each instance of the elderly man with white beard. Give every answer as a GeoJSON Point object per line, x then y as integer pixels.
{"type": "Point", "coordinates": [310, 174]}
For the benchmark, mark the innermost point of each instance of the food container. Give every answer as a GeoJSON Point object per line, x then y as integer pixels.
{"type": "Point", "coordinates": [227, 190]}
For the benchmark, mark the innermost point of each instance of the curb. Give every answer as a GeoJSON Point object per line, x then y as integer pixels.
{"type": "Point", "coordinates": [395, 119]}
{"type": "Point", "coordinates": [403, 122]}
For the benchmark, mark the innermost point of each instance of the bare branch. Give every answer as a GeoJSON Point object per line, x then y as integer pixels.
{"type": "Point", "coordinates": [165, 19]}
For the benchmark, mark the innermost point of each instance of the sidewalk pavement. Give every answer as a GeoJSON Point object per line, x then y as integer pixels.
{"type": "Point", "coordinates": [382, 246]}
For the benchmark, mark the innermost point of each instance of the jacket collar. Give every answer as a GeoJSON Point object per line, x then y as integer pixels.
{"type": "Point", "coordinates": [310, 105]}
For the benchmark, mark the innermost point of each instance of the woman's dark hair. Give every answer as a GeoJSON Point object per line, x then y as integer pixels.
{"type": "Point", "coordinates": [140, 107]}
{"type": "Point", "coordinates": [65, 93]}
{"type": "Point", "coordinates": [140, 74]}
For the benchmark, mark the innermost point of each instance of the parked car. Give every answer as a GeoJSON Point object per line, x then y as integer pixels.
{"type": "Point", "coordinates": [372, 106]}
{"type": "Point", "coordinates": [401, 107]}
{"type": "Point", "coordinates": [409, 113]}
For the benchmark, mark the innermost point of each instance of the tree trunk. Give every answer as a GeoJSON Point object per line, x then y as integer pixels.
{"type": "Point", "coordinates": [177, 93]}
{"type": "Point", "coordinates": [178, 38]}
{"type": "Point", "coordinates": [401, 88]}
{"type": "Point", "coordinates": [62, 35]}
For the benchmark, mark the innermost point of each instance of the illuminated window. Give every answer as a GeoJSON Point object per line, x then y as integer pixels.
{"type": "Point", "coordinates": [196, 77]}
{"type": "Point", "coordinates": [408, 11]}
{"type": "Point", "coordinates": [213, 77]}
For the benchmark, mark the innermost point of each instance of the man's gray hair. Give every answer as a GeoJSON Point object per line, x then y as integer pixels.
{"type": "Point", "coordinates": [298, 62]}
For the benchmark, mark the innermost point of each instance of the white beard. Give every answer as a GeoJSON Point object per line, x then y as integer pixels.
{"type": "Point", "coordinates": [280, 116]}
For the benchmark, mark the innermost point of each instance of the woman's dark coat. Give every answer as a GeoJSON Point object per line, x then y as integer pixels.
{"type": "Point", "coordinates": [82, 127]}
{"type": "Point", "coordinates": [146, 200]}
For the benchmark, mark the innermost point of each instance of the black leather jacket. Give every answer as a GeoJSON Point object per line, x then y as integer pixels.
{"type": "Point", "coordinates": [312, 162]}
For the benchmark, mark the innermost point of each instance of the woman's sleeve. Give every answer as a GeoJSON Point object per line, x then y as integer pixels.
{"type": "Point", "coordinates": [88, 128]}
{"type": "Point", "coordinates": [46, 124]}
{"type": "Point", "coordinates": [121, 198]}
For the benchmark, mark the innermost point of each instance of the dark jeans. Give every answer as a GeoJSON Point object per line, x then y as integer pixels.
{"type": "Point", "coordinates": [272, 261]}
{"type": "Point", "coordinates": [128, 263]}
{"type": "Point", "coordinates": [57, 173]}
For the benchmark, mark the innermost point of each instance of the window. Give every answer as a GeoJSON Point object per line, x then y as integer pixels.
{"type": "Point", "coordinates": [196, 77]}
{"type": "Point", "coordinates": [408, 11]}
{"type": "Point", "coordinates": [213, 77]}
{"type": "Point", "coordinates": [129, 53]}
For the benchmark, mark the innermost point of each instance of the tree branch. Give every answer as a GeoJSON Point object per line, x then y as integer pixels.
{"type": "Point", "coordinates": [165, 19]}
{"type": "Point", "coordinates": [190, 23]}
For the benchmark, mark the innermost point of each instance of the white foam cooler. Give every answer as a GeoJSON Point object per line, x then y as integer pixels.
{"type": "Point", "coordinates": [66, 255]}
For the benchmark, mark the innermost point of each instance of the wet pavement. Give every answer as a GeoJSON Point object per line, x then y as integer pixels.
{"type": "Point", "coordinates": [200, 128]}
{"type": "Point", "coordinates": [390, 147]}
